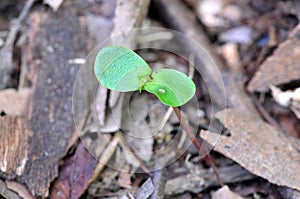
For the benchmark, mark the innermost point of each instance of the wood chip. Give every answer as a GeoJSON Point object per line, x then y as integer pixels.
{"type": "Point", "coordinates": [281, 68]}
{"type": "Point", "coordinates": [259, 148]}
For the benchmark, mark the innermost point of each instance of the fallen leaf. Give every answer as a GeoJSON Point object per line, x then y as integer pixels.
{"type": "Point", "coordinates": [259, 148]}
{"type": "Point", "coordinates": [128, 196]}
{"type": "Point", "coordinates": [54, 4]}
{"type": "Point", "coordinates": [295, 106]}
{"type": "Point", "coordinates": [280, 68]}
{"type": "Point", "coordinates": [74, 175]}
{"type": "Point", "coordinates": [124, 177]}
{"type": "Point", "coordinates": [290, 124]}
{"type": "Point", "coordinates": [225, 193]}
{"type": "Point", "coordinates": [146, 189]}
{"type": "Point", "coordinates": [82, 170]}
{"type": "Point", "coordinates": [14, 103]}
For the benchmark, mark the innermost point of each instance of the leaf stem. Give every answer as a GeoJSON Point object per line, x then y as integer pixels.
{"type": "Point", "coordinates": [190, 135]}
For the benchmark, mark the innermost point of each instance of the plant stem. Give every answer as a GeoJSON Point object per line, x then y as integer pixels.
{"type": "Point", "coordinates": [191, 136]}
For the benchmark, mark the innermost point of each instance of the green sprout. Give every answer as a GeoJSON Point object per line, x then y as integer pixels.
{"type": "Point", "coordinates": [120, 69]}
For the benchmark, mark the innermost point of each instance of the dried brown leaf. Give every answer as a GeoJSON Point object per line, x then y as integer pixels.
{"type": "Point", "coordinates": [295, 107]}
{"type": "Point", "coordinates": [124, 177]}
{"type": "Point", "coordinates": [146, 189]}
{"type": "Point", "coordinates": [281, 68]}
{"type": "Point", "coordinates": [74, 175]}
{"type": "Point", "coordinates": [259, 148]}
{"type": "Point", "coordinates": [290, 124]}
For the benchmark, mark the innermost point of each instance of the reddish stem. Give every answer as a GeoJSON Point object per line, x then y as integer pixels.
{"type": "Point", "coordinates": [191, 136]}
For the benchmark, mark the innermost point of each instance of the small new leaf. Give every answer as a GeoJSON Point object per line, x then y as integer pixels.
{"type": "Point", "coordinates": [172, 87]}
{"type": "Point", "coordinates": [118, 68]}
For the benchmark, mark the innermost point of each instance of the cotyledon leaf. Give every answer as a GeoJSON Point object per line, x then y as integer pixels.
{"type": "Point", "coordinates": [172, 87]}
{"type": "Point", "coordinates": [118, 68]}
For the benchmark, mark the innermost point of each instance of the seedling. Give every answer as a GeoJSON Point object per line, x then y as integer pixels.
{"type": "Point", "coordinates": [120, 69]}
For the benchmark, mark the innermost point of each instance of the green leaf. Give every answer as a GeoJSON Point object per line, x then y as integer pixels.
{"type": "Point", "coordinates": [118, 68]}
{"type": "Point", "coordinates": [172, 87]}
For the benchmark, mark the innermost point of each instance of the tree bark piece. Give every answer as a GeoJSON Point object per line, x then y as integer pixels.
{"type": "Point", "coordinates": [43, 137]}
{"type": "Point", "coordinates": [14, 141]}
{"type": "Point", "coordinates": [280, 68]}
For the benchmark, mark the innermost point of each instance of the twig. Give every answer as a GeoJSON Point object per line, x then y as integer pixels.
{"type": "Point", "coordinates": [6, 52]}
{"type": "Point", "coordinates": [105, 157]}
{"type": "Point", "coordinates": [191, 66]}
{"type": "Point", "coordinates": [190, 135]}
{"type": "Point", "coordinates": [265, 114]}
{"type": "Point", "coordinates": [165, 119]}
{"type": "Point", "coordinates": [129, 150]}
{"type": "Point", "coordinates": [159, 181]}
{"type": "Point", "coordinates": [13, 32]}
